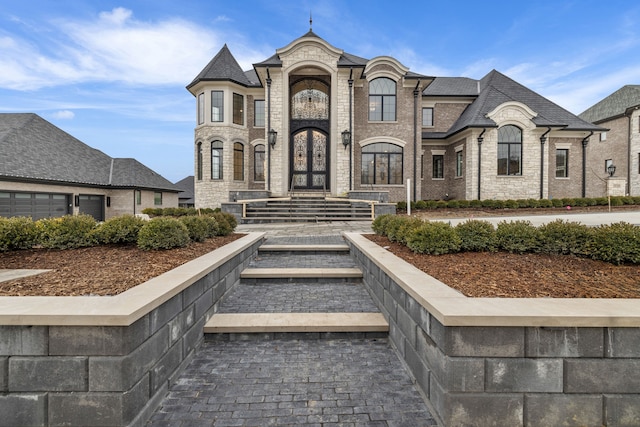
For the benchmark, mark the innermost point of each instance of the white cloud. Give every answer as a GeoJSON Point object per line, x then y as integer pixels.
{"type": "Point", "coordinates": [64, 115]}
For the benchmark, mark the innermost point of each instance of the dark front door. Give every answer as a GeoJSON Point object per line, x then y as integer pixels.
{"type": "Point", "coordinates": [310, 160]}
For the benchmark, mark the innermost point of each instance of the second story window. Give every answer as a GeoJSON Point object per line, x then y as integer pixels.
{"type": "Point", "coordinates": [217, 106]}
{"type": "Point", "coordinates": [238, 109]}
{"type": "Point", "coordinates": [382, 100]}
{"type": "Point", "coordinates": [427, 117]}
{"type": "Point", "coordinates": [258, 113]}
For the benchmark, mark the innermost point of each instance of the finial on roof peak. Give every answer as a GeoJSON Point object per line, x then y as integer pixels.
{"type": "Point", "coordinates": [310, 21]}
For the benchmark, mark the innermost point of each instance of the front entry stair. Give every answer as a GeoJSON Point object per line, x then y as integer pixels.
{"type": "Point", "coordinates": [306, 208]}
{"type": "Point", "coordinates": [298, 288]}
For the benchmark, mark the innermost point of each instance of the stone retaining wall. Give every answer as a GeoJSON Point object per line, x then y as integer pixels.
{"type": "Point", "coordinates": [482, 363]}
{"type": "Point", "coordinates": [98, 366]}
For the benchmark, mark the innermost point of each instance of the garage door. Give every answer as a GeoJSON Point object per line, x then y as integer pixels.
{"type": "Point", "coordinates": [35, 205]}
{"type": "Point", "coordinates": [92, 205]}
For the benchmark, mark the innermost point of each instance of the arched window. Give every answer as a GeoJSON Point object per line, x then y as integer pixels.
{"type": "Point", "coordinates": [509, 150]}
{"type": "Point", "coordinates": [216, 160]}
{"type": "Point", "coordinates": [258, 162]}
{"type": "Point", "coordinates": [238, 161]}
{"type": "Point", "coordinates": [199, 161]}
{"type": "Point", "coordinates": [382, 99]}
{"type": "Point", "coordinates": [382, 164]}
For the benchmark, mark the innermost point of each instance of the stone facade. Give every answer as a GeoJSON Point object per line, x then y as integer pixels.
{"type": "Point", "coordinates": [311, 57]}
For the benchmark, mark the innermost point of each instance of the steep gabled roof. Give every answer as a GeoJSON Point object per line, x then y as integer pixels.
{"type": "Point", "coordinates": [452, 86]}
{"type": "Point", "coordinates": [187, 186]}
{"type": "Point", "coordinates": [223, 67]}
{"type": "Point", "coordinates": [33, 149]}
{"type": "Point", "coordinates": [496, 89]}
{"type": "Point", "coordinates": [614, 105]}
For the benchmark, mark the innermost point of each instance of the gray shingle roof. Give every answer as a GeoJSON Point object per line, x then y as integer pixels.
{"type": "Point", "coordinates": [33, 149]}
{"type": "Point", "coordinates": [187, 186]}
{"type": "Point", "coordinates": [223, 67]}
{"type": "Point", "coordinates": [452, 86]}
{"type": "Point", "coordinates": [613, 105]}
{"type": "Point", "coordinates": [496, 89]}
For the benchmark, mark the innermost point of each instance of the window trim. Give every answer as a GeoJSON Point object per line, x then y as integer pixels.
{"type": "Point", "coordinates": [201, 108]}
{"type": "Point", "coordinates": [432, 121]}
{"type": "Point", "coordinates": [220, 117]}
{"type": "Point", "coordinates": [382, 101]}
{"type": "Point", "coordinates": [509, 145]}
{"type": "Point", "coordinates": [566, 163]}
{"type": "Point", "coordinates": [238, 115]}
{"type": "Point", "coordinates": [255, 114]}
{"type": "Point", "coordinates": [218, 147]}
{"type": "Point", "coordinates": [157, 198]}
{"type": "Point", "coordinates": [435, 157]}
{"type": "Point", "coordinates": [381, 154]}
{"type": "Point", "coordinates": [238, 161]}
{"type": "Point", "coordinates": [138, 197]}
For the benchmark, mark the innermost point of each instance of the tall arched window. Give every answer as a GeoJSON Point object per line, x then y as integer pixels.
{"type": "Point", "coordinates": [509, 150]}
{"type": "Point", "coordinates": [238, 161]}
{"type": "Point", "coordinates": [382, 99]}
{"type": "Point", "coordinates": [199, 161]}
{"type": "Point", "coordinates": [258, 162]}
{"type": "Point", "coordinates": [216, 160]}
{"type": "Point", "coordinates": [382, 164]}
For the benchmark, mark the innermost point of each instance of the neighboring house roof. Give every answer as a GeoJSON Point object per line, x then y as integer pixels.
{"type": "Point", "coordinates": [33, 149]}
{"type": "Point", "coordinates": [187, 187]}
{"type": "Point", "coordinates": [614, 105]}
{"type": "Point", "coordinates": [496, 89]}
{"type": "Point", "coordinates": [223, 67]}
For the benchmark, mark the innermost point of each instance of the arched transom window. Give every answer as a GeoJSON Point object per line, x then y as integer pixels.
{"type": "Point", "coordinates": [310, 100]}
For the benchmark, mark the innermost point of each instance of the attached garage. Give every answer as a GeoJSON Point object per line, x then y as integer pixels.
{"type": "Point", "coordinates": [91, 205]}
{"type": "Point", "coordinates": [35, 205]}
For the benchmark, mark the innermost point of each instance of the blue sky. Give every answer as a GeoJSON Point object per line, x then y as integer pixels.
{"type": "Point", "coordinates": [113, 73]}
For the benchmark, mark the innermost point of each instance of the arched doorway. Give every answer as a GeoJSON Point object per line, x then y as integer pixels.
{"type": "Point", "coordinates": [309, 144]}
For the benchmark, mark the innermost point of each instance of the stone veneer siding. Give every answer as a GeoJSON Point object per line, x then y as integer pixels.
{"type": "Point", "coordinates": [52, 375]}
{"type": "Point", "coordinates": [508, 375]}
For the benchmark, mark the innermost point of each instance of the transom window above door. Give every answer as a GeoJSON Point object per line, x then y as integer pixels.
{"type": "Point", "coordinates": [310, 100]}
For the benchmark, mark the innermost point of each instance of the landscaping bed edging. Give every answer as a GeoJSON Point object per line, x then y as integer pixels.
{"type": "Point", "coordinates": [108, 360]}
{"type": "Point", "coordinates": [508, 361]}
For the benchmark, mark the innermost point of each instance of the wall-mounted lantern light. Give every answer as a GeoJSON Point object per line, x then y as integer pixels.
{"type": "Point", "coordinates": [611, 169]}
{"type": "Point", "coordinates": [273, 136]}
{"type": "Point", "coordinates": [346, 138]}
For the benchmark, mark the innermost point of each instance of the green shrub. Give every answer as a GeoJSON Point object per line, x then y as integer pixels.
{"type": "Point", "coordinates": [152, 211]}
{"type": "Point", "coordinates": [636, 200]}
{"type": "Point", "coordinates": [511, 204]}
{"type": "Point", "coordinates": [401, 206]}
{"type": "Point", "coordinates": [67, 232]}
{"type": "Point", "coordinates": [421, 204]}
{"type": "Point", "coordinates": [616, 201]}
{"type": "Point", "coordinates": [122, 230]}
{"type": "Point", "coordinates": [198, 227]}
{"type": "Point", "coordinates": [517, 236]}
{"type": "Point", "coordinates": [441, 204]}
{"type": "Point", "coordinates": [379, 224]}
{"type": "Point", "coordinates": [567, 201]}
{"type": "Point", "coordinates": [557, 203]}
{"type": "Point", "coordinates": [435, 238]}
{"type": "Point", "coordinates": [17, 233]}
{"type": "Point", "coordinates": [545, 203]}
{"type": "Point", "coordinates": [475, 203]}
{"type": "Point", "coordinates": [560, 237]}
{"type": "Point", "coordinates": [591, 201]}
{"type": "Point", "coordinates": [617, 243]}
{"type": "Point", "coordinates": [393, 226]}
{"type": "Point", "coordinates": [602, 201]}
{"type": "Point", "coordinates": [402, 228]}
{"type": "Point", "coordinates": [476, 236]}
{"type": "Point", "coordinates": [580, 202]}
{"type": "Point", "coordinates": [163, 233]}
{"type": "Point", "coordinates": [530, 203]}
{"type": "Point", "coordinates": [628, 200]}
{"type": "Point", "coordinates": [431, 204]}
{"type": "Point", "coordinates": [488, 203]}
{"type": "Point", "coordinates": [226, 223]}
{"type": "Point", "coordinates": [212, 225]}
{"type": "Point", "coordinates": [499, 204]}
{"type": "Point", "coordinates": [453, 204]}
{"type": "Point", "coordinates": [464, 203]}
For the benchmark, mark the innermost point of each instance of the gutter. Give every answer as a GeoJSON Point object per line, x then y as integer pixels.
{"type": "Point", "coordinates": [585, 141]}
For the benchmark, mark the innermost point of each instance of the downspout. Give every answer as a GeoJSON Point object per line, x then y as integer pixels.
{"type": "Point", "coordinates": [350, 130]}
{"type": "Point", "coordinates": [543, 139]}
{"type": "Point", "coordinates": [415, 140]}
{"type": "Point", "coordinates": [268, 129]}
{"type": "Point", "coordinates": [480, 140]}
{"type": "Point", "coordinates": [629, 161]}
{"type": "Point", "coordinates": [585, 142]}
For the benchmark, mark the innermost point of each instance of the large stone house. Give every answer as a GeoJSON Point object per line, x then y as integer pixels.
{"type": "Point", "coordinates": [45, 172]}
{"type": "Point", "coordinates": [620, 145]}
{"type": "Point", "coordinates": [315, 118]}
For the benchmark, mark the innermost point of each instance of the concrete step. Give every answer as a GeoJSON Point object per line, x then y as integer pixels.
{"type": "Point", "coordinates": [304, 248]}
{"type": "Point", "coordinates": [267, 219]}
{"type": "Point", "coordinates": [295, 322]}
{"type": "Point", "coordinates": [301, 273]}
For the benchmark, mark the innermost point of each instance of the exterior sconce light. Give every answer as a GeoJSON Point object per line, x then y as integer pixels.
{"type": "Point", "coordinates": [611, 170]}
{"type": "Point", "coordinates": [273, 136]}
{"type": "Point", "coordinates": [346, 138]}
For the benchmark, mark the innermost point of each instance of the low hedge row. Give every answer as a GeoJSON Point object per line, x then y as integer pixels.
{"type": "Point", "coordinates": [520, 203]}
{"type": "Point", "coordinates": [617, 243]}
{"type": "Point", "coordinates": [74, 231]}
{"type": "Point", "coordinates": [178, 212]}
